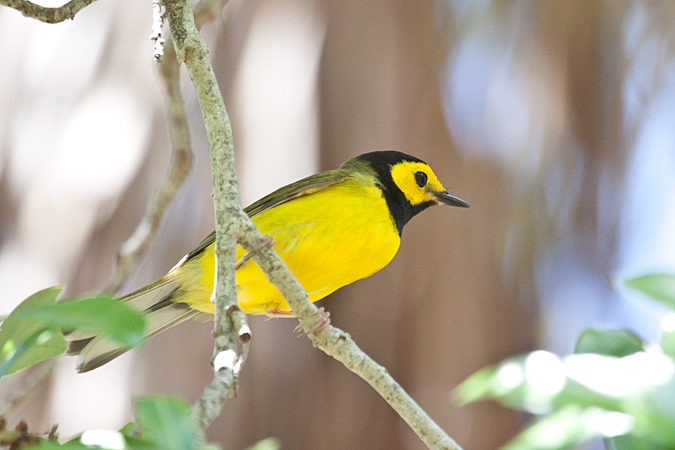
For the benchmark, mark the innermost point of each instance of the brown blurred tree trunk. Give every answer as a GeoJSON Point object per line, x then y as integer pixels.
{"type": "Point", "coordinates": [425, 317]}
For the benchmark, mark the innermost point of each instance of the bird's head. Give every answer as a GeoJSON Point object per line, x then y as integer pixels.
{"type": "Point", "coordinates": [408, 184]}
{"type": "Point", "coordinates": [420, 185]}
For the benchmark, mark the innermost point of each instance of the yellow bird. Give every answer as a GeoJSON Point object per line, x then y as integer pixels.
{"type": "Point", "coordinates": [331, 229]}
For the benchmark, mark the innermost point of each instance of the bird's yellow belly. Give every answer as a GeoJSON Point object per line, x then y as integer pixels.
{"type": "Point", "coordinates": [328, 239]}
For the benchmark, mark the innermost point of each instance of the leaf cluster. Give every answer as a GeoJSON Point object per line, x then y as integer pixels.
{"type": "Point", "coordinates": [34, 330]}
{"type": "Point", "coordinates": [162, 423]}
{"type": "Point", "coordinates": [614, 386]}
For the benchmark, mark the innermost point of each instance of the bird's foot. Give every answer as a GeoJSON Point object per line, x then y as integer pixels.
{"type": "Point", "coordinates": [266, 243]}
{"type": "Point", "coordinates": [322, 322]}
{"type": "Point", "coordinates": [278, 314]}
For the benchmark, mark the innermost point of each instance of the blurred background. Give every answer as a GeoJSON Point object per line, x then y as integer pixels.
{"type": "Point", "coordinates": [554, 120]}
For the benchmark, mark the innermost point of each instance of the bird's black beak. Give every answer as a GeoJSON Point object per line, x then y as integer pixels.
{"type": "Point", "coordinates": [448, 199]}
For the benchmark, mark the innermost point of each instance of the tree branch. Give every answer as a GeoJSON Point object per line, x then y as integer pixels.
{"type": "Point", "coordinates": [49, 15]}
{"type": "Point", "coordinates": [339, 345]}
{"type": "Point", "coordinates": [232, 226]}
{"type": "Point", "coordinates": [181, 164]}
{"type": "Point", "coordinates": [27, 386]}
{"type": "Point", "coordinates": [181, 157]}
{"type": "Point", "coordinates": [191, 49]}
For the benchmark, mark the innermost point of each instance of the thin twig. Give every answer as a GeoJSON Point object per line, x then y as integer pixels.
{"type": "Point", "coordinates": [181, 158]}
{"type": "Point", "coordinates": [227, 364]}
{"type": "Point", "coordinates": [340, 345]}
{"type": "Point", "coordinates": [211, 401]}
{"type": "Point", "coordinates": [181, 164]}
{"type": "Point", "coordinates": [207, 11]}
{"type": "Point", "coordinates": [191, 49]}
{"type": "Point", "coordinates": [45, 14]}
{"type": "Point", "coordinates": [267, 242]}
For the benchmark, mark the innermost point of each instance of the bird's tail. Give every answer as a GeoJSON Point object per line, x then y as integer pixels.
{"type": "Point", "coordinates": [161, 313]}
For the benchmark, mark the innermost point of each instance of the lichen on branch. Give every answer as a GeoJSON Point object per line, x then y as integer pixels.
{"type": "Point", "coordinates": [46, 14]}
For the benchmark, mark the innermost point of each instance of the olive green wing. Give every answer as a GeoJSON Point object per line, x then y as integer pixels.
{"type": "Point", "coordinates": [306, 186]}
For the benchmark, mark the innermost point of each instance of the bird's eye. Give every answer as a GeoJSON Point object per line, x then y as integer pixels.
{"type": "Point", "coordinates": [421, 179]}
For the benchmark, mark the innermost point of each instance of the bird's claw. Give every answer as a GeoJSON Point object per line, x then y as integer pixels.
{"type": "Point", "coordinates": [266, 243]}
{"type": "Point", "coordinates": [322, 322]}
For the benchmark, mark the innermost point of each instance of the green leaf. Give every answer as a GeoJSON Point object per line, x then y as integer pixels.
{"type": "Point", "coordinates": [654, 406]}
{"type": "Point", "coordinates": [608, 342]}
{"type": "Point", "coordinates": [166, 424]}
{"type": "Point", "coordinates": [168, 421]}
{"type": "Point", "coordinates": [631, 442]}
{"type": "Point", "coordinates": [75, 444]}
{"type": "Point", "coordinates": [668, 334]}
{"type": "Point", "coordinates": [129, 430]}
{"type": "Point", "coordinates": [97, 440]}
{"type": "Point", "coordinates": [99, 314]}
{"type": "Point", "coordinates": [23, 344]}
{"type": "Point", "coordinates": [660, 287]}
{"type": "Point", "coordinates": [528, 382]}
{"type": "Point", "coordinates": [559, 430]}
{"type": "Point", "coordinates": [477, 386]}
{"type": "Point", "coordinates": [587, 395]}
{"type": "Point", "coordinates": [46, 444]}
{"type": "Point", "coordinates": [568, 426]}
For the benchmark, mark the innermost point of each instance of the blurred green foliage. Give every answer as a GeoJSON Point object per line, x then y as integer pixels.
{"type": "Point", "coordinates": [22, 343]}
{"type": "Point", "coordinates": [34, 330]}
{"type": "Point", "coordinates": [162, 423]}
{"type": "Point", "coordinates": [166, 422]}
{"type": "Point", "coordinates": [614, 386]}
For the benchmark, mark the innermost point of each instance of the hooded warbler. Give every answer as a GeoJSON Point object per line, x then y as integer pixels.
{"type": "Point", "coordinates": [331, 229]}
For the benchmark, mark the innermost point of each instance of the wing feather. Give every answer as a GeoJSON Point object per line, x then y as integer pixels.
{"type": "Point", "coordinates": [300, 188]}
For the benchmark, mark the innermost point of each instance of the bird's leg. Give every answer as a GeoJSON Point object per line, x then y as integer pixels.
{"type": "Point", "coordinates": [266, 243]}
{"type": "Point", "coordinates": [278, 314]}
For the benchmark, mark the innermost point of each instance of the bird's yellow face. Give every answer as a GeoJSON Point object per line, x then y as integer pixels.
{"type": "Point", "coordinates": [417, 181]}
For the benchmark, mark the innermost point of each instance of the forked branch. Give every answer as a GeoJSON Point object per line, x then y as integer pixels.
{"type": "Point", "coordinates": [232, 226]}
{"type": "Point", "coordinates": [180, 166]}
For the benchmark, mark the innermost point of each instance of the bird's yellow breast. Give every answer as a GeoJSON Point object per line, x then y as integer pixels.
{"type": "Point", "coordinates": [328, 239]}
